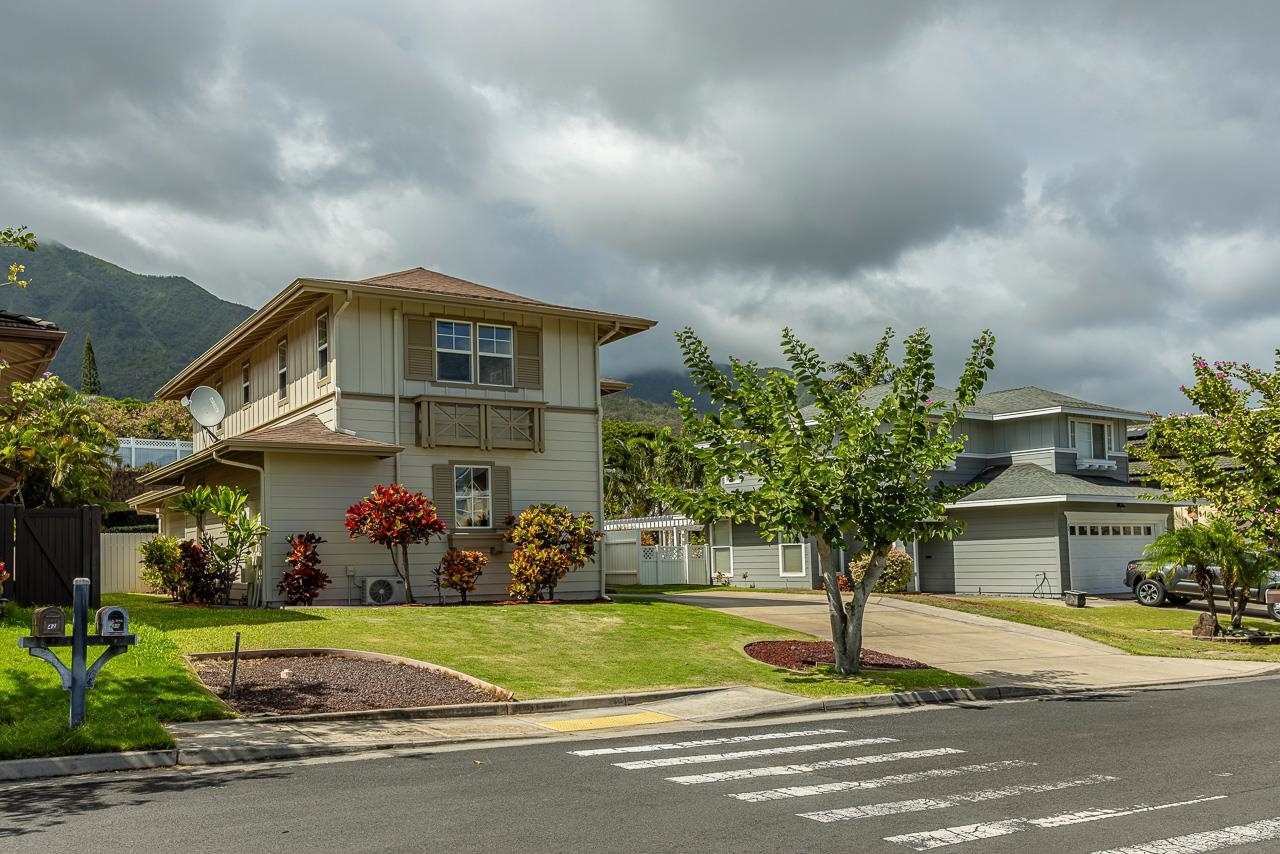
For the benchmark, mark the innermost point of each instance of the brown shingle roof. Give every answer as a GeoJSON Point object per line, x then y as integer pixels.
{"type": "Point", "coordinates": [431, 282]}
{"type": "Point", "coordinates": [310, 431]}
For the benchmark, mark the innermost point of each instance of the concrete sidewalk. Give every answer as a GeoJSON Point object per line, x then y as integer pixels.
{"type": "Point", "coordinates": [994, 652]}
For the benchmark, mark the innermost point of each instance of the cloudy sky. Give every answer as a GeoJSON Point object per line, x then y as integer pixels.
{"type": "Point", "coordinates": [1097, 182]}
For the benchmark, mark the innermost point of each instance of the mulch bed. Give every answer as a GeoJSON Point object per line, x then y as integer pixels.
{"type": "Point", "coordinates": [330, 683]}
{"type": "Point", "coordinates": [806, 655]}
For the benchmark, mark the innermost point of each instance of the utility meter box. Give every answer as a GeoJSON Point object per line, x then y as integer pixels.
{"type": "Point", "coordinates": [48, 623]}
{"type": "Point", "coordinates": [112, 621]}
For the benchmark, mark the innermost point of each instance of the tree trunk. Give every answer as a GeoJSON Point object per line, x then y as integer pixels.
{"type": "Point", "coordinates": [846, 618]}
{"type": "Point", "coordinates": [1239, 599]}
{"type": "Point", "coordinates": [1204, 578]}
{"type": "Point", "coordinates": [402, 570]}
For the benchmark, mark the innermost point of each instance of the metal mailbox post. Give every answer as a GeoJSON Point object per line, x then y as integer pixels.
{"type": "Point", "coordinates": [48, 630]}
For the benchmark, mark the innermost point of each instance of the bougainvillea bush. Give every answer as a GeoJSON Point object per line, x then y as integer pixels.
{"type": "Point", "coordinates": [302, 582]}
{"type": "Point", "coordinates": [550, 543]}
{"type": "Point", "coordinates": [460, 569]}
{"type": "Point", "coordinates": [394, 517]}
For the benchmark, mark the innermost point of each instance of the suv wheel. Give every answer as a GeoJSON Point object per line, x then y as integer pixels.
{"type": "Point", "coordinates": [1273, 610]}
{"type": "Point", "coordinates": [1149, 592]}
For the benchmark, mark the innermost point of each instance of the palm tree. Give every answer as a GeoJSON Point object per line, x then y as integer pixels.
{"type": "Point", "coordinates": [1199, 547]}
{"type": "Point", "coordinates": [638, 463]}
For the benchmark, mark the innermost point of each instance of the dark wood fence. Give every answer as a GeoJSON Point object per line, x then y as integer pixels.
{"type": "Point", "coordinates": [46, 550]}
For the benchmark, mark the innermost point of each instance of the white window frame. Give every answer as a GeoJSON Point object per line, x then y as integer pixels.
{"type": "Point", "coordinates": [510, 357]}
{"type": "Point", "coordinates": [1108, 437]}
{"type": "Point", "coordinates": [246, 389]}
{"type": "Point", "coordinates": [456, 515]}
{"type": "Point", "coordinates": [793, 542]}
{"type": "Point", "coordinates": [713, 546]}
{"type": "Point", "coordinates": [322, 344]}
{"type": "Point", "coordinates": [282, 369]}
{"type": "Point", "coordinates": [470, 353]}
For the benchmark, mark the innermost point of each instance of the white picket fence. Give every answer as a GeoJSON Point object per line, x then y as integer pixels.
{"type": "Point", "coordinates": [121, 563]}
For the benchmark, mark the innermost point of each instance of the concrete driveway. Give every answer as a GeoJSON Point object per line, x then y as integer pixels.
{"type": "Point", "coordinates": [994, 652]}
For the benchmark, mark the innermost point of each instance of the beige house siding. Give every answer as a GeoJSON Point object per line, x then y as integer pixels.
{"type": "Point", "coordinates": [1005, 551]}
{"type": "Point", "coordinates": [265, 407]}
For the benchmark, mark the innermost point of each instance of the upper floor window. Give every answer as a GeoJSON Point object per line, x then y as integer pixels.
{"type": "Point", "coordinates": [472, 497]}
{"type": "Point", "coordinates": [322, 344]}
{"type": "Point", "coordinates": [282, 368]}
{"type": "Point", "coordinates": [1091, 439]}
{"type": "Point", "coordinates": [244, 385]}
{"type": "Point", "coordinates": [453, 351]}
{"type": "Point", "coordinates": [486, 359]}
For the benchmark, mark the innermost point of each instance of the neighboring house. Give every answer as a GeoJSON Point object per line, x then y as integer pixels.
{"type": "Point", "coordinates": [1051, 509]}
{"type": "Point", "coordinates": [484, 400]}
{"type": "Point", "coordinates": [27, 346]}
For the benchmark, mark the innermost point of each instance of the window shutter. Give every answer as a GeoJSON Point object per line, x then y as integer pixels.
{"type": "Point", "coordinates": [442, 493]}
{"type": "Point", "coordinates": [528, 358]}
{"type": "Point", "coordinates": [419, 349]}
{"type": "Point", "coordinates": [501, 494]}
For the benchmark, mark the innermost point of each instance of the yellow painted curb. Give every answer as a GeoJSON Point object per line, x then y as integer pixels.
{"type": "Point", "coordinates": [610, 721]}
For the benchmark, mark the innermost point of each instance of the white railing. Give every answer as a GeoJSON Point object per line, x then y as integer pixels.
{"type": "Point", "coordinates": [135, 453]}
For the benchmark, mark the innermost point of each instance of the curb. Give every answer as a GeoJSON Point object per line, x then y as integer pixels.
{"type": "Point", "coordinates": [907, 699]}
{"type": "Point", "coordinates": [87, 763]}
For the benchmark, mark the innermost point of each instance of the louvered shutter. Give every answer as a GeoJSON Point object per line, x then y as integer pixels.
{"type": "Point", "coordinates": [442, 493]}
{"type": "Point", "coordinates": [501, 494]}
{"type": "Point", "coordinates": [419, 349]}
{"type": "Point", "coordinates": [528, 358]}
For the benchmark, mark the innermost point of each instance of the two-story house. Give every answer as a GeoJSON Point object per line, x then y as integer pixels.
{"type": "Point", "coordinates": [1051, 506]}
{"type": "Point", "coordinates": [484, 400]}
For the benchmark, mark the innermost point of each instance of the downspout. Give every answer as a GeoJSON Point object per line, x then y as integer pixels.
{"type": "Point", "coordinates": [600, 342]}
{"type": "Point", "coordinates": [337, 363]}
{"type": "Point", "coordinates": [257, 599]}
{"type": "Point", "coordinates": [396, 378]}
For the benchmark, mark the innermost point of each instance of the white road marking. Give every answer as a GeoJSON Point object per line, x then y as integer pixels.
{"type": "Point", "coordinates": [1210, 840]}
{"type": "Point", "coordinates": [807, 767]}
{"type": "Point", "coordinates": [708, 742]}
{"type": "Point", "coordinates": [669, 761]}
{"type": "Point", "coordinates": [875, 782]}
{"type": "Point", "coordinates": [988, 830]}
{"type": "Point", "coordinates": [922, 804]}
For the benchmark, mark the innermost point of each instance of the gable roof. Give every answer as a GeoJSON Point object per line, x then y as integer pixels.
{"type": "Point", "coordinates": [1029, 483]}
{"type": "Point", "coordinates": [421, 280]}
{"type": "Point", "coordinates": [1010, 403]}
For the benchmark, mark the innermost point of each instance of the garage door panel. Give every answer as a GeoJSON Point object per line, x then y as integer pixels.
{"type": "Point", "coordinates": [1101, 545]}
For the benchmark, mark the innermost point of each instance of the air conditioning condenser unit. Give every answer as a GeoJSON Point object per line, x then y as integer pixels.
{"type": "Point", "coordinates": [383, 590]}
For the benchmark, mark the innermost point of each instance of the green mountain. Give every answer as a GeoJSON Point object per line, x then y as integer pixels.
{"type": "Point", "coordinates": [649, 400]}
{"type": "Point", "coordinates": [144, 328]}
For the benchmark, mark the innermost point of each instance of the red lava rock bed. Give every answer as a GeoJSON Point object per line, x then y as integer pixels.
{"type": "Point", "coordinates": [330, 683]}
{"type": "Point", "coordinates": [806, 655]}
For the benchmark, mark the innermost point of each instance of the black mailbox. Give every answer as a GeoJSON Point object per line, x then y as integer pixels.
{"type": "Point", "coordinates": [113, 621]}
{"type": "Point", "coordinates": [48, 623]}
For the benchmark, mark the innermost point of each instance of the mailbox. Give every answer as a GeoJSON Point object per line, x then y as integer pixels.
{"type": "Point", "coordinates": [112, 621]}
{"type": "Point", "coordinates": [48, 623]}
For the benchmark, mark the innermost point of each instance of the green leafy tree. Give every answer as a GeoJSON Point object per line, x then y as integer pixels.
{"type": "Point", "coordinates": [839, 469]}
{"type": "Point", "coordinates": [636, 466]}
{"type": "Point", "coordinates": [89, 383]}
{"type": "Point", "coordinates": [196, 502]}
{"type": "Point", "coordinates": [20, 237]}
{"type": "Point", "coordinates": [1228, 454]}
{"type": "Point", "coordinates": [155, 419]}
{"type": "Point", "coordinates": [62, 453]}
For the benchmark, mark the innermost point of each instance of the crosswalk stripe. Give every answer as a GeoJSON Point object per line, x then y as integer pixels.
{"type": "Point", "coordinates": [922, 804]}
{"type": "Point", "coordinates": [667, 762]}
{"type": "Point", "coordinates": [1209, 840]}
{"type": "Point", "coordinates": [987, 830]}
{"type": "Point", "coordinates": [708, 742]}
{"type": "Point", "coordinates": [874, 782]}
{"type": "Point", "coordinates": [807, 767]}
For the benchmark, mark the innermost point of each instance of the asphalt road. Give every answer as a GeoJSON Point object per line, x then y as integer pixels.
{"type": "Point", "coordinates": [1195, 764]}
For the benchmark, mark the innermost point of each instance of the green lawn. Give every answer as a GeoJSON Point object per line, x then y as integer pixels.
{"type": "Point", "coordinates": [536, 651]}
{"type": "Point", "coordinates": [1127, 626]}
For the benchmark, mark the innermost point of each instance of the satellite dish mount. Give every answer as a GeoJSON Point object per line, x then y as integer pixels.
{"type": "Point", "coordinates": [206, 408]}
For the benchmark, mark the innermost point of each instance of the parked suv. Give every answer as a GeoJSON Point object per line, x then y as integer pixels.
{"type": "Point", "coordinates": [1177, 585]}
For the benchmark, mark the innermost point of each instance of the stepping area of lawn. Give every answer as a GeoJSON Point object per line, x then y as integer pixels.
{"type": "Point", "coordinates": [537, 651]}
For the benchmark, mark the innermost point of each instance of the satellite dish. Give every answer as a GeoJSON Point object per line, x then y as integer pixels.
{"type": "Point", "coordinates": [205, 406]}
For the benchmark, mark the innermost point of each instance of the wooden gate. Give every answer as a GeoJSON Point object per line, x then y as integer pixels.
{"type": "Point", "coordinates": [46, 550]}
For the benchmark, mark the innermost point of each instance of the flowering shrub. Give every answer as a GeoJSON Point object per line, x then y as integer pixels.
{"type": "Point", "coordinates": [460, 569]}
{"type": "Point", "coordinates": [394, 517]}
{"type": "Point", "coordinates": [4, 577]}
{"type": "Point", "coordinates": [162, 565]}
{"type": "Point", "coordinates": [894, 579]}
{"type": "Point", "coordinates": [302, 582]}
{"type": "Point", "coordinates": [550, 543]}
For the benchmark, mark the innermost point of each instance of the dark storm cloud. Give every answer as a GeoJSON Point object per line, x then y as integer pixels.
{"type": "Point", "coordinates": [1093, 181]}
